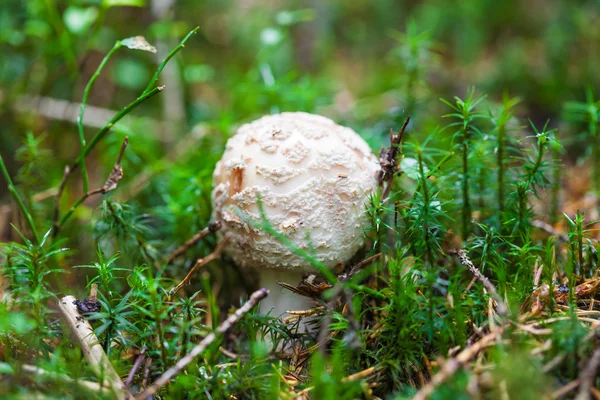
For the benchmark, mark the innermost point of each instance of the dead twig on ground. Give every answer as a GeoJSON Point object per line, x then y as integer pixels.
{"type": "Point", "coordinates": [136, 366]}
{"type": "Point", "coordinates": [91, 347]}
{"type": "Point", "coordinates": [201, 262]}
{"type": "Point", "coordinates": [207, 341]}
{"type": "Point", "coordinates": [587, 376]}
{"type": "Point", "coordinates": [451, 366]}
{"type": "Point", "coordinates": [466, 261]}
{"type": "Point", "coordinates": [211, 228]}
{"type": "Point", "coordinates": [57, 376]}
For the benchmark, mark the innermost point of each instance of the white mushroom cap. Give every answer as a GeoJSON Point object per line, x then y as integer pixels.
{"type": "Point", "coordinates": [313, 176]}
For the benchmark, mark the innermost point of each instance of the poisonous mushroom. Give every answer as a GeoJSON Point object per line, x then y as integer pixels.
{"type": "Point", "coordinates": [313, 177]}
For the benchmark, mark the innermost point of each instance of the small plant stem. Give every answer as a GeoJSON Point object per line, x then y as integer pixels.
{"type": "Point", "coordinates": [593, 129]}
{"type": "Point", "coordinates": [426, 204]}
{"type": "Point", "coordinates": [20, 203]}
{"type": "Point", "coordinates": [102, 132]}
{"type": "Point", "coordinates": [579, 227]}
{"type": "Point", "coordinates": [110, 184]}
{"type": "Point", "coordinates": [86, 94]}
{"type": "Point", "coordinates": [537, 165]}
{"type": "Point", "coordinates": [465, 181]}
{"type": "Point", "coordinates": [203, 345]}
{"type": "Point", "coordinates": [159, 330]}
{"type": "Point", "coordinates": [554, 205]}
{"type": "Point", "coordinates": [162, 65]}
{"type": "Point", "coordinates": [500, 160]}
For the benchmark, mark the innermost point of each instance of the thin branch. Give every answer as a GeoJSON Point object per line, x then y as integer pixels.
{"type": "Point", "coordinates": [207, 341]}
{"type": "Point", "coordinates": [91, 347]}
{"type": "Point", "coordinates": [212, 227]}
{"type": "Point", "coordinates": [180, 46]}
{"type": "Point", "coordinates": [57, 376]}
{"type": "Point", "coordinates": [201, 262]}
{"type": "Point", "coordinates": [451, 366]}
{"type": "Point", "coordinates": [465, 261]}
{"type": "Point", "coordinates": [110, 184]}
{"type": "Point", "coordinates": [136, 366]}
{"type": "Point", "coordinates": [388, 160]}
{"type": "Point", "coordinates": [587, 376]}
{"type": "Point", "coordinates": [102, 132]}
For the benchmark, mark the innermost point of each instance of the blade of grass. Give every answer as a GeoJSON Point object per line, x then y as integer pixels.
{"type": "Point", "coordinates": [86, 94]}
{"type": "Point", "coordinates": [20, 203]}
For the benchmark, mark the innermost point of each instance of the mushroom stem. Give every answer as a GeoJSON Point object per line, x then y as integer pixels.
{"type": "Point", "coordinates": [281, 300]}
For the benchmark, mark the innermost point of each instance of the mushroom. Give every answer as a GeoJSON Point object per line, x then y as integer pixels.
{"type": "Point", "coordinates": [313, 177]}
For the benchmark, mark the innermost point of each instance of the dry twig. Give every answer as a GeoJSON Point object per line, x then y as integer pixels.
{"type": "Point", "coordinates": [587, 376]}
{"type": "Point", "coordinates": [466, 261]}
{"type": "Point", "coordinates": [212, 227]}
{"type": "Point", "coordinates": [90, 346]}
{"type": "Point", "coordinates": [56, 376]}
{"type": "Point", "coordinates": [136, 366]}
{"type": "Point", "coordinates": [207, 341]}
{"type": "Point", "coordinates": [388, 160]}
{"type": "Point", "coordinates": [111, 184]}
{"type": "Point", "coordinates": [452, 365]}
{"type": "Point", "coordinates": [201, 262]}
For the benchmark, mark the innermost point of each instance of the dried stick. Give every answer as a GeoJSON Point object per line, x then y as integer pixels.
{"type": "Point", "coordinates": [454, 364]}
{"type": "Point", "coordinates": [111, 184]}
{"type": "Point", "coordinates": [466, 261]}
{"type": "Point", "coordinates": [207, 341]}
{"type": "Point", "coordinates": [587, 376]}
{"type": "Point", "coordinates": [212, 227]}
{"type": "Point", "coordinates": [388, 160]}
{"type": "Point", "coordinates": [136, 366]}
{"type": "Point", "coordinates": [57, 376]}
{"type": "Point", "coordinates": [201, 262]}
{"type": "Point", "coordinates": [90, 346]}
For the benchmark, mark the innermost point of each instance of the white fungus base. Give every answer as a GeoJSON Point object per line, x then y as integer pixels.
{"type": "Point", "coordinates": [280, 300]}
{"type": "Point", "coordinates": [313, 176]}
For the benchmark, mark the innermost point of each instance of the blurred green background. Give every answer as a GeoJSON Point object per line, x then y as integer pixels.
{"type": "Point", "coordinates": [366, 64]}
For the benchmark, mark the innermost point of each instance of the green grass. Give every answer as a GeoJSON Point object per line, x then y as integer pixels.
{"type": "Point", "coordinates": [481, 178]}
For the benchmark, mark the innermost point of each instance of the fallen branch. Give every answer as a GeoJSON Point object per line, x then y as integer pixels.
{"type": "Point", "coordinates": [90, 346]}
{"type": "Point", "coordinates": [212, 227]}
{"type": "Point", "coordinates": [57, 376]}
{"type": "Point", "coordinates": [201, 262]}
{"type": "Point", "coordinates": [588, 375]}
{"type": "Point", "coordinates": [207, 341]}
{"type": "Point", "coordinates": [136, 366]}
{"type": "Point", "coordinates": [466, 261]}
{"type": "Point", "coordinates": [451, 366]}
